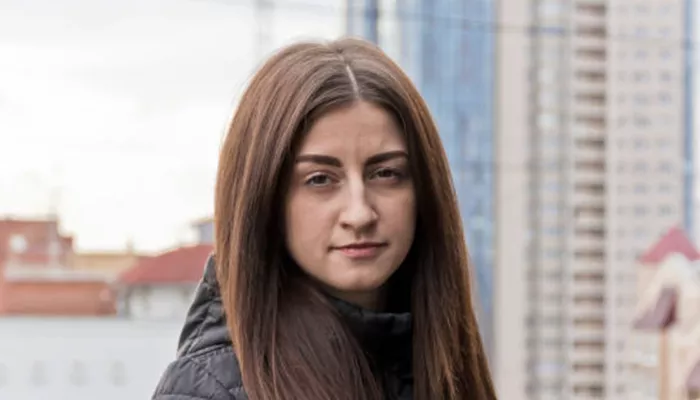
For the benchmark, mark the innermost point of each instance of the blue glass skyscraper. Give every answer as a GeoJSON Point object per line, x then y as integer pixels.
{"type": "Point", "coordinates": [447, 47]}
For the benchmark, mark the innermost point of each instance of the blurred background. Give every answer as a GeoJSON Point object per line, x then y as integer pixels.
{"type": "Point", "coordinates": [569, 125]}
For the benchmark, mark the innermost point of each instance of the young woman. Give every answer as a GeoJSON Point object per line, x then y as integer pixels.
{"type": "Point", "coordinates": [340, 269]}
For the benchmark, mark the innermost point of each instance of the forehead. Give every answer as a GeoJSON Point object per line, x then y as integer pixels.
{"type": "Point", "coordinates": [360, 126]}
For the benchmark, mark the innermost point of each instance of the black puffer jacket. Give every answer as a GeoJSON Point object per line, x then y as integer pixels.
{"type": "Point", "coordinates": [206, 367]}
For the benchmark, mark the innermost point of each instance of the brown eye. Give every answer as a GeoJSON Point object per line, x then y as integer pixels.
{"type": "Point", "coordinates": [387, 173]}
{"type": "Point", "coordinates": [318, 180]}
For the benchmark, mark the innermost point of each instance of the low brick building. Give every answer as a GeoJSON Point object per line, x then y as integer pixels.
{"type": "Point", "coordinates": [36, 278]}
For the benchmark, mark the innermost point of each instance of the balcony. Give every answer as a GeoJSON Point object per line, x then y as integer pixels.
{"type": "Point", "coordinates": [589, 222]}
{"type": "Point", "coordinates": [589, 107]}
{"type": "Point", "coordinates": [587, 377]}
{"type": "Point", "coordinates": [589, 176]}
{"type": "Point", "coordinates": [588, 155]}
{"type": "Point", "coordinates": [587, 353]}
{"type": "Point", "coordinates": [592, 311]}
{"type": "Point", "coordinates": [587, 288]}
{"type": "Point", "coordinates": [595, 8]}
{"type": "Point", "coordinates": [589, 198]}
{"type": "Point", "coordinates": [589, 82]}
{"type": "Point", "coordinates": [590, 48]}
{"type": "Point", "coordinates": [587, 267]}
{"type": "Point", "coordinates": [588, 331]}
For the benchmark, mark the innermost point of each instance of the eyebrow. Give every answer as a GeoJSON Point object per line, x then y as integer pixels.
{"type": "Point", "coordinates": [334, 162]}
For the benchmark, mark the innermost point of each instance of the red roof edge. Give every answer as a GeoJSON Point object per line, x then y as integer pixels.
{"type": "Point", "coordinates": [181, 265]}
{"type": "Point", "coordinates": [674, 241]}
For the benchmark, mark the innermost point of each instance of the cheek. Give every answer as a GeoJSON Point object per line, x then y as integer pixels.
{"type": "Point", "coordinates": [400, 217]}
{"type": "Point", "coordinates": [306, 229]}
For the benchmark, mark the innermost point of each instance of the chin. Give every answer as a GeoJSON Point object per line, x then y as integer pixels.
{"type": "Point", "coordinates": [359, 282]}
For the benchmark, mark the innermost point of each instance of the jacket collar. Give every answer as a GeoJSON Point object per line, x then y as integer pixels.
{"type": "Point", "coordinates": [386, 335]}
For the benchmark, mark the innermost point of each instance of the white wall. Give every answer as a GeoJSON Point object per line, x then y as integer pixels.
{"type": "Point", "coordinates": [83, 359]}
{"type": "Point", "coordinates": [159, 302]}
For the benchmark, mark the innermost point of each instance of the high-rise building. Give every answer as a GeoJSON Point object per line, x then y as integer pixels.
{"type": "Point", "coordinates": [446, 47]}
{"type": "Point", "coordinates": [594, 146]}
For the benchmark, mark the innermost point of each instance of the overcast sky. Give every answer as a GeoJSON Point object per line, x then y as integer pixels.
{"type": "Point", "coordinates": [116, 109]}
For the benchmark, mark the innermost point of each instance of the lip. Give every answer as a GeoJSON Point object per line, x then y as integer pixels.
{"type": "Point", "coordinates": [361, 250]}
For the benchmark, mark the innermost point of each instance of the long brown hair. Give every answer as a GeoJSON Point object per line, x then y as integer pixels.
{"type": "Point", "coordinates": [288, 338]}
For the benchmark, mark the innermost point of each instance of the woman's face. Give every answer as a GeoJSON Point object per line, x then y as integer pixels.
{"type": "Point", "coordinates": [350, 209]}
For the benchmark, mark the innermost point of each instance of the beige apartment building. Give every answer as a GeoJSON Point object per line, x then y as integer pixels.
{"type": "Point", "coordinates": [592, 121]}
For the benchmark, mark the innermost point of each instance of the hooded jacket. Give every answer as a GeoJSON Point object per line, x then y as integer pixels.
{"type": "Point", "coordinates": [206, 366]}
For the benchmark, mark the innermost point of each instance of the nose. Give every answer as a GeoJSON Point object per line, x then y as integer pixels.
{"type": "Point", "coordinates": [359, 213]}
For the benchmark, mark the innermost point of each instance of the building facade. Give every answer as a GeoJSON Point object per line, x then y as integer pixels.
{"type": "Point", "coordinates": [446, 47]}
{"type": "Point", "coordinates": [595, 118]}
{"type": "Point", "coordinates": [84, 358]}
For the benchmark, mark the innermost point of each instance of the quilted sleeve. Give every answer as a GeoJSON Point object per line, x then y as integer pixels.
{"type": "Point", "coordinates": [187, 379]}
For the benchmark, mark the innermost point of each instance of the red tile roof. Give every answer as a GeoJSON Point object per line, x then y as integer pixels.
{"type": "Point", "coordinates": [674, 241]}
{"type": "Point", "coordinates": [182, 265]}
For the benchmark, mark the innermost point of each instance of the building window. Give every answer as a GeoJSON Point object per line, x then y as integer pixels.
{"type": "Point", "coordinates": [665, 98]}
{"type": "Point", "coordinates": [18, 244]}
{"type": "Point", "coordinates": [641, 54]}
{"type": "Point", "coordinates": [549, 9]}
{"type": "Point", "coordinates": [547, 121]}
{"type": "Point", "coordinates": [117, 373]}
{"type": "Point", "coordinates": [663, 143]}
{"type": "Point", "coordinates": [640, 76]}
{"type": "Point", "coordinates": [548, 99]}
{"type": "Point", "coordinates": [641, 99]}
{"type": "Point", "coordinates": [639, 143]}
{"type": "Point", "coordinates": [641, 121]}
{"type": "Point", "coordinates": [38, 374]}
{"type": "Point", "coordinates": [641, 31]}
{"type": "Point", "coordinates": [550, 209]}
{"type": "Point", "coordinates": [665, 31]}
{"type": "Point", "coordinates": [546, 75]}
{"type": "Point", "coordinates": [552, 187]}
{"type": "Point", "coordinates": [552, 254]}
{"type": "Point", "coordinates": [78, 374]}
{"type": "Point", "coordinates": [665, 167]}
{"type": "Point", "coordinates": [640, 188]}
{"type": "Point", "coordinates": [640, 166]}
{"type": "Point", "coordinates": [642, 9]}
